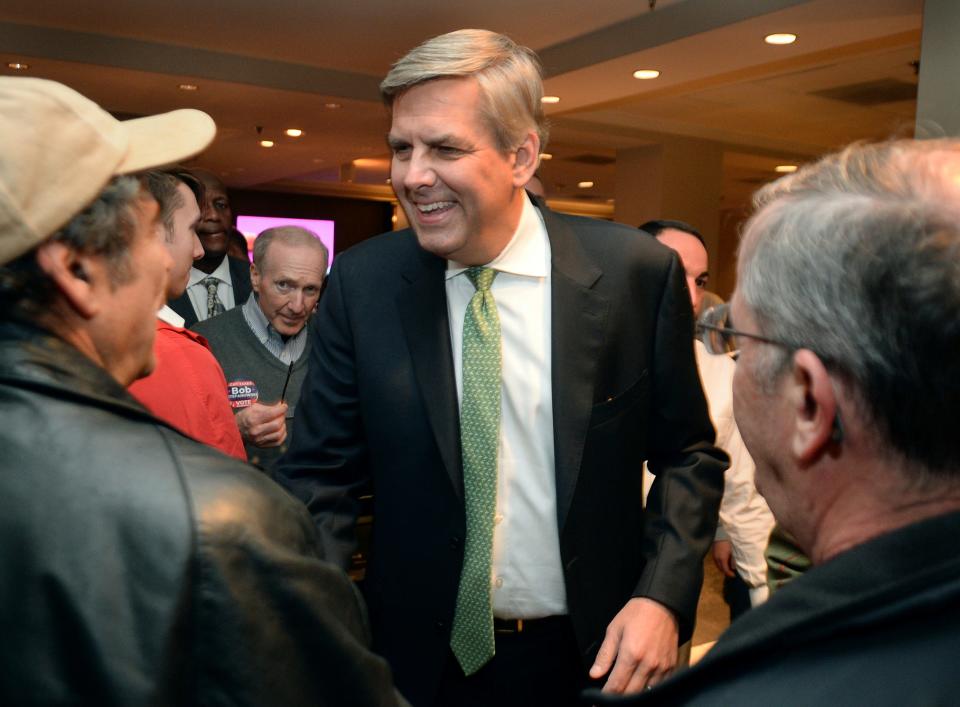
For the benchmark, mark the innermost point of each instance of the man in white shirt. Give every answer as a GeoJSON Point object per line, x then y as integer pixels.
{"type": "Point", "coordinates": [499, 373]}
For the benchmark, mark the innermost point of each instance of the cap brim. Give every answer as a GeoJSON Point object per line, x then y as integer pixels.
{"type": "Point", "coordinates": [165, 139]}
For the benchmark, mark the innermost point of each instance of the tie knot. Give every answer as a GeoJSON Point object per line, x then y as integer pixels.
{"type": "Point", "coordinates": [210, 282]}
{"type": "Point", "coordinates": [482, 278]}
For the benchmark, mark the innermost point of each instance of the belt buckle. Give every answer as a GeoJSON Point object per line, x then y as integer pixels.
{"type": "Point", "coordinates": [516, 626]}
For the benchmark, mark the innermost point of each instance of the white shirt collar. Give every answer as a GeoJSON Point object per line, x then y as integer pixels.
{"type": "Point", "coordinates": [222, 273]}
{"type": "Point", "coordinates": [170, 317]}
{"type": "Point", "coordinates": [525, 254]}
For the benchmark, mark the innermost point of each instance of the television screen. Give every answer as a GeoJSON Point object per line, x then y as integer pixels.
{"type": "Point", "coordinates": [252, 226]}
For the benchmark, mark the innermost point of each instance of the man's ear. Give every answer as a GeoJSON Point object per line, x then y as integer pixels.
{"type": "Point", "coordinates": [73, 273]}
{"type": "Point", "coordinates": [813, 400]}
{"type": "Point", "coordinates": [527, 159]}
{"type": "Point", "coordinates": [255, 277]}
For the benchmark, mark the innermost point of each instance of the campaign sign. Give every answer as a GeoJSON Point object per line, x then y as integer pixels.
{"type": "Point", "coordinates": [242, 394]}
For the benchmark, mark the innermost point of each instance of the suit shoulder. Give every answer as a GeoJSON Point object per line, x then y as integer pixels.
{"type": "Point", "coordinates": [215, 326]}
{"type": "Point", "coordinates": [618, 240]}
{"type": "Point", "coordinates": [385, 250]}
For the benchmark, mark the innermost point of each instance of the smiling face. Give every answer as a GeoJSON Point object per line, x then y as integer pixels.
{"type": "Point", "coordinates": [462, 196]}
{"type": "Point", "coordinates": [216, 218]}
{"type": "Point", "coordinates": [288, 285]}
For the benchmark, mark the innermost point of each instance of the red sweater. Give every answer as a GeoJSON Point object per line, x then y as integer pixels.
{"type": "Point", "coordinates": [188, 390]}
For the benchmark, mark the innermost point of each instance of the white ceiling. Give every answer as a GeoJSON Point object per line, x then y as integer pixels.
{"type": "Point", "coordinates": [280, 64]}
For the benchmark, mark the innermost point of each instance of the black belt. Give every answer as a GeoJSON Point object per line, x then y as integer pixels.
{"type": "Point", "coordinates": [528, 625]}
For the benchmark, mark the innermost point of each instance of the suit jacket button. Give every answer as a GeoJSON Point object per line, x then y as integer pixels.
{"type": "Point", "coordinates": [454, 542]}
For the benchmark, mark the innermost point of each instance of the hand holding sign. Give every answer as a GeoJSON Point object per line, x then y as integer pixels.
{"type": "Point", "coordinates": [263, 425]}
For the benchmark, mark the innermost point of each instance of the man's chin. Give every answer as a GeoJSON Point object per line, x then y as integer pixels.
{"type": "Point", "coordinates": [214, 244]}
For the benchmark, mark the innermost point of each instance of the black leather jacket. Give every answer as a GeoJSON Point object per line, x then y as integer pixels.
{"type": "Point", "coordinates": [140, 567]}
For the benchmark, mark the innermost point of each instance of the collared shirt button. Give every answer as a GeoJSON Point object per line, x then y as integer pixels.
{"type": "Point", "coordinates": [498, 582]}
{"type": "Point", "coordinates": [497, 518]}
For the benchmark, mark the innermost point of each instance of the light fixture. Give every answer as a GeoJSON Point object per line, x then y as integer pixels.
{"type": "Point", "coordinates": [388, 180]}
{"type": "Point", "coordinates": [780, 38]}
{"type": "Point", "coordinates": [331, 106]}
{"type": "Point", "coordinates": [550, 99]}
{"type": "Point", "coordinates": [17, 65]}
{"type": "Point", "coordinates": [188, 87]}
{"type": "Point", "coordinates": [293, 132]}
{"type": "Point", "coordinates": [546, 156]}
{"type": "Point", "coordinates": [645, 74]}
{"type": "Point", "coordinates": [585, 185]}
{"type": "Point", "coordinates": [266, 143]}
{"type": "Point", "coordinates": [785, 168]}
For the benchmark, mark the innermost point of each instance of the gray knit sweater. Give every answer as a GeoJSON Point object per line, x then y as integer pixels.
{"type": "Point", "coordinates": [244, 358]}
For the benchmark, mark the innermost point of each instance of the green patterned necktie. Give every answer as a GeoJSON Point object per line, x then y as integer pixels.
{"type": "Point", "coordinates": [472, 635]}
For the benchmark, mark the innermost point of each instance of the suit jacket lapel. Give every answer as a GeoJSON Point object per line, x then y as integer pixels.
{"type": "Point", "coordinates": [184, 307]}
{"type": "Point", "coordinates": [423, 314]}
{"type": "Point", "coordinates": [578, 323]}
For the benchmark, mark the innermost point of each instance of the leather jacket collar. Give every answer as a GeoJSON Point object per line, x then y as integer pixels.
{"type": "Point", "coordinates": [32, 357]}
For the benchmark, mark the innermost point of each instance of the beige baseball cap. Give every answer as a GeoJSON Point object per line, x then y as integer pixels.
{"type": "Point", "coordinates": [59, 149]}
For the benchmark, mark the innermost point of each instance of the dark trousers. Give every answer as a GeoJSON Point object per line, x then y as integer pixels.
{"type": "Point", "coordinates": [736, 593]}
{"type": "Point", "coordinates": [537, 666]}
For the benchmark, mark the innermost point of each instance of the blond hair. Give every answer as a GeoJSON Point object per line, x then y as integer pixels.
{"type": "Point", "coordinates": [509, 75]}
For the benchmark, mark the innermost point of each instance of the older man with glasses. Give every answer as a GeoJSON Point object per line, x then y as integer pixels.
{"type": "Point", "coordinates": [846, 394]}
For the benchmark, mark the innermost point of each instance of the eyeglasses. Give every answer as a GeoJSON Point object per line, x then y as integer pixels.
{"type": "Point", "coordinates": [721, 340]}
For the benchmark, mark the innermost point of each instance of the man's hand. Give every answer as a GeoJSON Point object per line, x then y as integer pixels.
{"type": "Point", "coordinates": [723, 557]}
{"type": "Point", "coordinates": [642, 638]}
{"type": "Point", "coordinates": [263, 425]}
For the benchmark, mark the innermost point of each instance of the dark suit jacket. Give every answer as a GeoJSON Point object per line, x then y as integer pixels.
{"type": "Point", "coordinates": [240, 277]}
{"type": "Point", "coordinates": [380, 404]}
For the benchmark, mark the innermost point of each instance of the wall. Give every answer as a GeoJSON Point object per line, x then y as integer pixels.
{"type": "Point", "coordinates": [356, 219]}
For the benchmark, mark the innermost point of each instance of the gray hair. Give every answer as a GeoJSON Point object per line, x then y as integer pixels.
{"type": "Point", "coordinates": [509, 75]}
{"type": "Point", "coordinates": [288, 235]}
{"type": "Point", "coordinates": [857, 257]}
{"type": "Point", "coordinates": [104, 228]}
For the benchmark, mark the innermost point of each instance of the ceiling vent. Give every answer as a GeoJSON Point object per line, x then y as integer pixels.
{"type": "Point", "coordinates": [872, 93]}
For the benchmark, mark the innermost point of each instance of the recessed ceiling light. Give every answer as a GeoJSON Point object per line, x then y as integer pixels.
{"type": "Point", "coordinates": [585, 185]}
{"type": "Point", "coordinates": [550, 99]}
{"type": "Point", "coordinates": [188, 87]}
{"type": "Point", "coordinates": [266, 143]}
{"type": "Point", "coordinates": [546, 156]}
{"type": "Point", "coordinates": [780, 38]}
{"type": "Point", "coordinates": [785, 168]}
{"type": "Point", "coordinates": [17, 65]}
{"type": "Point", "coordinates": [646, 74]}
{"type": "Point", "coordinates": [331, 106]}
{"type": "Point", "coordinates": [294, 132]}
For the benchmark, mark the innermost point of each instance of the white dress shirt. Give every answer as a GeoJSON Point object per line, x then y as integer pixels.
{"type": "Point", "coordinates": [527, 576]}
{"type": "Point", "coordinates": [198, 292]}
